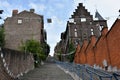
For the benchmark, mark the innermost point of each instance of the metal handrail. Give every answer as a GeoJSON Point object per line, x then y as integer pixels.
{"type": "Point", "coordinates": [86, 72]}
{"type": "Point", "coordinates": [99, 73]}
{"type": "Point", "coordinates": [116, 75]}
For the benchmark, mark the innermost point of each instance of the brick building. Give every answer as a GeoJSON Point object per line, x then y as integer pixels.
{"type": "Point", "coordinates": [23, 26]}
{"type": "Point", "coordinates": [80, 27]}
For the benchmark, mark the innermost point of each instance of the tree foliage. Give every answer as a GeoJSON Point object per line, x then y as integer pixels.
{"type": "Point", "coordinates": [46, 48]}
{"type": "Point", "coordinates": [33, 46]}
{"type": "Point", "coordinates": [2, 37]}
{"type": "Point", "coordinates": [71, 49]}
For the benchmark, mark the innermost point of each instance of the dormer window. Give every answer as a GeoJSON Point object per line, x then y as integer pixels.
{"type": "Point", "coordinates": [83, 19]}
{"type": "Point", "coordinates": [19, 21]}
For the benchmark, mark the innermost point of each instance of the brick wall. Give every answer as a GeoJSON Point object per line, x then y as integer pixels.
{"type": "Point", "coordinates": [90, 56]}
{"type": "Point", "coordinates": [104, 52]}
{"type": "Point", "coordinates": [76, 60]}
{"type": "Point", "coordinates": [113, 40]}
{"type": "Point", "coordinates": [82, 54]}
{"type": "Point", "coordinates": [101, 49]}
{"type": "Point", "coordinates": [15, 63]}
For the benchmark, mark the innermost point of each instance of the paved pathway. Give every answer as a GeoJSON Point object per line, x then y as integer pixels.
{"type": "Point", "coordinates": [49, 71]}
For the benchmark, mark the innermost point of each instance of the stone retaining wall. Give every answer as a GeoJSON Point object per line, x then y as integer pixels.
{"type": "Point", "coordinates": [14, 63]}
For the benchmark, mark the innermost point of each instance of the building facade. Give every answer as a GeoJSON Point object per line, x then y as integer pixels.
{"type": "Point", "coordinates": [23, 26]}
{"type": "Point", "coordinates": [81, 26]}
{"type": "Point", "coordinates": [103, 53]}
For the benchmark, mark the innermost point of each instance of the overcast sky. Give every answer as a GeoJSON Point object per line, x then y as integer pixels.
{"type": "Point", "coordinates": [60, 11]}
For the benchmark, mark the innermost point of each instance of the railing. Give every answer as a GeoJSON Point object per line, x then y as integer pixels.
{"type": "Point", "coordinates": [99, 73]}
{"type": "Point", "coordinates": [117, 75]}
{"type": "Point", "coordinates": [79, 70]}
{"type": "Point", "coordinates": [86, 72]}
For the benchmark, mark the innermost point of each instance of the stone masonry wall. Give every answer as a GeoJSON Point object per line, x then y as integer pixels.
{"type": "Point", "coordinates": [14, 63]}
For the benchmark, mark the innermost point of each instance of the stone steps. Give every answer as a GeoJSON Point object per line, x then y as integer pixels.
{"type": "Point", "coordinates": [49, 71]}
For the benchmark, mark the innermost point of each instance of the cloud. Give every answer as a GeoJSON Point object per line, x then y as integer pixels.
{"type": "Point", "coordinates": [104, 7]}
{"type": "Point", "coordinates": [38, 7]}
{"type": "Point", "coordinates": [59, 5]}
{"type": "Point", "coordinates": [8, 7]}
{"type": "Point", "coordinates": [54, 31]}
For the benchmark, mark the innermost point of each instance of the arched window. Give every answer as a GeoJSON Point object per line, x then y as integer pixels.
{"type": "Point", "coordinates": [75, 30]}
{"type": "Point", "coordinates": [92, 33]}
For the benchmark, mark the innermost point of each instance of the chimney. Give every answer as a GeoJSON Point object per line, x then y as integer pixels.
{"type": "Point", "coordinates": [14, 12]}
{"type": "Point", "coordinates": [104, 31]}
{"type": "Point", "coordinates": [32, 10]}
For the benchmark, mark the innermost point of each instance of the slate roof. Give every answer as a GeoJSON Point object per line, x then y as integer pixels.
{"type": "Point", "coordinates": [97, 15]}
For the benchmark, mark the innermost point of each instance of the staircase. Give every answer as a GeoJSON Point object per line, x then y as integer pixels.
{"type": "Point", "coordinates": [48, 71]}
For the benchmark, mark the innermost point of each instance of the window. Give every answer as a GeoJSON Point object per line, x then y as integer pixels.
{"type": "Point", "coordinates": [19, 21]}
{"type": "Point", "coordinates": [90, 22]}
{"type": "Point", "coordinates": [92, 32]}
{"type": "Point", "coordinates": [76, 42]}
{"type": "Point", "coordinates": [85, 37]}
{"type": "Point", "coordinates": [83, 19]}
{"type": "Point", "coordinates": [75, 29]}
{"type": "Point", "coordinates": [75, 32]}
{"type": "Point", "coordinates": [101, 27]}
{"type": "Point", "coordinates": [71, 20]}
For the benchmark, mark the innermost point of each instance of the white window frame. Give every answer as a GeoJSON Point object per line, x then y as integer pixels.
{"type": "Point", "coordinates": [19, 21]}
{"type": "Point", "coordinates": [76, 34]}
{"type": "Point", "coordinates": [83, 19]}
{"type": "Point", "coordinates": [71, 20]}
{"type": "Point", "coordinates": [92, 31]}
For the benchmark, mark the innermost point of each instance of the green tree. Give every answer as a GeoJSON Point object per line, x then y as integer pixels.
{"type": "Point", "coordinates": [33, 46]}
{"type": "Point", "coordinates": [71, 51]}
{"type": "Point", "coordinates": [2, 37]}
{"type": "Point", "coordinates": [46, 48]}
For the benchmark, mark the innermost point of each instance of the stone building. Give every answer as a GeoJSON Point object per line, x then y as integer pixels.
{"type": "Point", "coordinates": [105, 52]}
{"type": "Point", "coordinates": [81, 26]}
{"type": "Point", "coordinates": [23, 26]}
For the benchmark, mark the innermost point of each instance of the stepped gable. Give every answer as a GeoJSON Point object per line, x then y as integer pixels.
{"type": "Point", "coordinates": [81, 11]}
